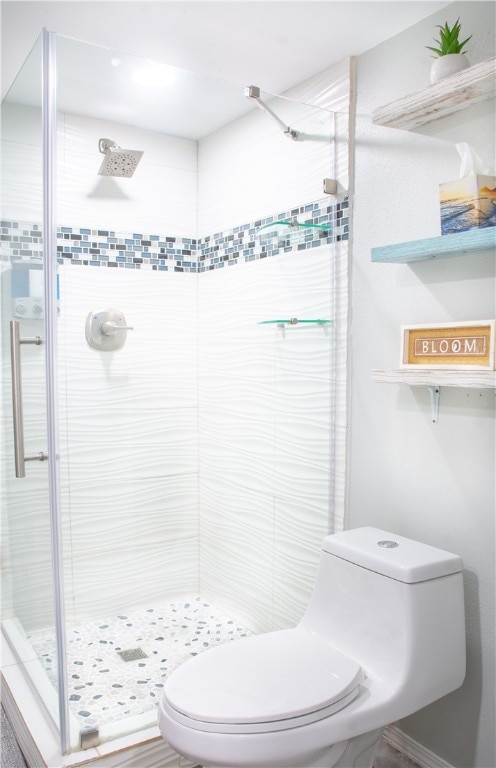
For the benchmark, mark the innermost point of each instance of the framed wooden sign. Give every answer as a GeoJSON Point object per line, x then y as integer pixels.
{"type": "Point", "coordinates": [464, 345]}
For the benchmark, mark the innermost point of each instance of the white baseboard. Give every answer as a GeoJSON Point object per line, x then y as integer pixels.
{"type": "Point", "coordinates": [413, 749]}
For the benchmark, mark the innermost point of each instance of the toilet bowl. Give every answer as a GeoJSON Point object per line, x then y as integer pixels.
{"type": "Point", "coordinates": [383, 636]}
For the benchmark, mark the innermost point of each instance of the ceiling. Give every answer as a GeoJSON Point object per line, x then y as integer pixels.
{"type": "Point", "coordinates": [273, 45]}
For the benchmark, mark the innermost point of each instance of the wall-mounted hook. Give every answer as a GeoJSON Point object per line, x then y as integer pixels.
{"type": "Point", "coordinates": [106, 329]}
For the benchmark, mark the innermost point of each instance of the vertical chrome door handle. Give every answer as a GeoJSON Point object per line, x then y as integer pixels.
{"type": "Point", "coordinates": [15, 356]}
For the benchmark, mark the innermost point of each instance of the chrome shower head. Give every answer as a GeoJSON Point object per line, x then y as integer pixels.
{"type": "Point", "coordinates": [117, 161]}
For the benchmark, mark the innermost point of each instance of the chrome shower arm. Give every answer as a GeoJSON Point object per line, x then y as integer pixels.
{"type": "Point", "coordinates": [253, 92]}
{"type": "Point", "coordinates": [105, 144]}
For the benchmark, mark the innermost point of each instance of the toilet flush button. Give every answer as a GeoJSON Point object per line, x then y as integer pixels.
{"type": "Point", "coordinates": [388, 544]}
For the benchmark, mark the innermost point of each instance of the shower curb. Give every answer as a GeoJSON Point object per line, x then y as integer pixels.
{"type": "Point", "coordinates": [38, 739]}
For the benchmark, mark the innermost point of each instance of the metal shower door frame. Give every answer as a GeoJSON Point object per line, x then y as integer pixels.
{"type": "Point", "coordinates": [49, 140]}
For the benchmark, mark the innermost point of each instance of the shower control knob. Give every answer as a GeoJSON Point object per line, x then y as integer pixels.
{"type": "Point", "coordinates": [109, 328]}
{"type": "Point", "coordinates": [106, 329]}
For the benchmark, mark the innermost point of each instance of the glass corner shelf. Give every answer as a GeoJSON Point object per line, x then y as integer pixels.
{"type": "Point", "coordinates": [295, 321]}
{"type": "Point", "coordinates": [289, 226]}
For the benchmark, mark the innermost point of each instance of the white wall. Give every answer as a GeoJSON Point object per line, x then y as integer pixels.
{"type": "Point", "coordinates": [434, 483]}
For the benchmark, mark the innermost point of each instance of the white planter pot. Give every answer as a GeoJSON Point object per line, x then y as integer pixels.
{"type": "Point", "coordinates": [448, 65]}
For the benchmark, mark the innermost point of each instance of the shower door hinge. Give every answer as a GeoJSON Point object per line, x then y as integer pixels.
{"type": "Point", "coordinates": [89, 738]}
{"type": "Point", "coordinates": [330, 186]}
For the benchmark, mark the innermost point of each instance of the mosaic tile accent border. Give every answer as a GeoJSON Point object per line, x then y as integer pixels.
{"type": "Point", "coordinates": [103, 687]}
{"type": "Point", "coordinates": [22, 242]}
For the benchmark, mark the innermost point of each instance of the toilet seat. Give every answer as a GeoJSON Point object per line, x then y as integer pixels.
{"type": "Point", "coordinates": [269, 682]}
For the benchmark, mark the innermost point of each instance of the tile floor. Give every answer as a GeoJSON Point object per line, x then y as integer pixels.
{"type": "Point", "coordinates": [388, 757]}
{"type": "Point", "coordinates": [117, 666]}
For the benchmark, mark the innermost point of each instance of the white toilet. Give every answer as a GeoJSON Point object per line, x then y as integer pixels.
{"type": "Point", "coordinates": [382, 637]}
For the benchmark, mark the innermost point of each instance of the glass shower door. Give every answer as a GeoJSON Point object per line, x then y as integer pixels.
{"type": "Point", "coordinates": [30, 588]}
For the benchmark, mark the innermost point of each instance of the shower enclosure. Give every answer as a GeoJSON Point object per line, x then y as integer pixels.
{"type": "Point", "coordinates": [173, 343]}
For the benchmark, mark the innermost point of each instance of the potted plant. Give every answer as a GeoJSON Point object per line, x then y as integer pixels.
{"type": "Point", "coordinates": [450, 57]}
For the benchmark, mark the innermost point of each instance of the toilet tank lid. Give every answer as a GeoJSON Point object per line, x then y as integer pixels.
{"type": "Point", "coordinates": [392, 555]}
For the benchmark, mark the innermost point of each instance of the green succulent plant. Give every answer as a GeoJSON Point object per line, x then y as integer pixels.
{"type": "Point", "coordinates": [448, 41]}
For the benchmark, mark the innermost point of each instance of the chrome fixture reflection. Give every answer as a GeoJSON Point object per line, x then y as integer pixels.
{"type": "Point", "coordinates": [117, 161]}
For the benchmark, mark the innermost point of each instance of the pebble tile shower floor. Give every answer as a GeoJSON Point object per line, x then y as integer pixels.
{"type": "Point", "coordinates": [105, 687]}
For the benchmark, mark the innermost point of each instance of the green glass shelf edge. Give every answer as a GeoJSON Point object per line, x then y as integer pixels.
{"type": "Point", "coordinates": [298, 322]}
{"type": "Point", "coordinates": [295, 225]}
{"type": "Point", "coordinates": [444, 246]}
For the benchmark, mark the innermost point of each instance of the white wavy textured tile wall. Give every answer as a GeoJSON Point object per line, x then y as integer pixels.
{"type": "Point", "coordinates": [161, 307]}
{"type": "Point", "coordinates": [28, 561]}
{"type": "Point", "coordinates": [162, 189]}
{"type": "Point", "coordinates": [172, 453]}
{"type": "Point", "coordinates": [26, 543]}
{"type": "Point", "coordinates": [339, 362]}
{"type": "Point", "coordinates": [236, 549]}
{"type": "Point", "coordinates": [35, 440]}
{"type": "Point", "coordinates": [265, 405]}
{"type": "Point", "coordinates": [296, 555]}
{"type": "Point", "coordinates": [131, 440]}
{"type": "Point", "coordinates": [114, 513]}
{"type": "Point", "coordinates": [104, 582]}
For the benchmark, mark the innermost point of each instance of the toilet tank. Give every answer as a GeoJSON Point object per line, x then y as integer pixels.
{"type": "Point", "coordinates": [395, 606]}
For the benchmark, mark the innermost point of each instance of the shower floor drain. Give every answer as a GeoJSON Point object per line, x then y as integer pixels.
{"type": "Point", "coordinates": [133, 654]}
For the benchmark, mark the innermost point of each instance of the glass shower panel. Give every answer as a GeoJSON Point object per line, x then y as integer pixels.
{"type": "Point", "coordinates": [194, 441]}
{"type": "Point", "coordinates": [27, 581]}
{"type": "Point", "coordinates": [128, 243]}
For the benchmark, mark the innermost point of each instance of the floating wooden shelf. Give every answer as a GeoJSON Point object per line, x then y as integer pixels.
{"type": "Point", "coordinates": [445, 246]}
{"type": "Point", "coordinates": [433, 379]}
{"type": "Point", "coordinates": [428, 377]}
{"type": "Point", "coordinates": [454, 93]}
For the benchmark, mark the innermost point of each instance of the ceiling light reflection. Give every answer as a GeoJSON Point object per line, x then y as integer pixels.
{"type": "Point", "coordinates": [154, 76]}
